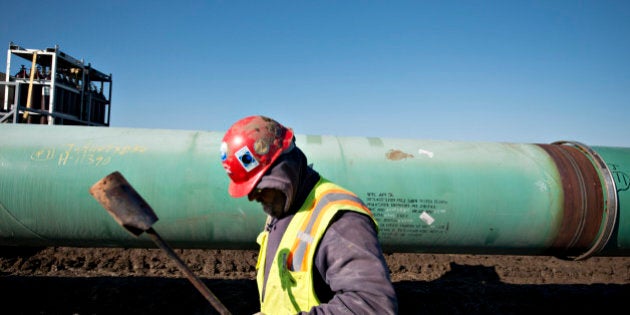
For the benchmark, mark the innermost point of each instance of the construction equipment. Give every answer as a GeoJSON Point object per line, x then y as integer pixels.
{"type": "Point", "coordinates": [57, 89]}
{"type": "Point", "coordinates": [133, 213]}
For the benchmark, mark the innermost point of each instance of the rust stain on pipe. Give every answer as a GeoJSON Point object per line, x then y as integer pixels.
{"type": "Point", "coordinates": [397, 155]}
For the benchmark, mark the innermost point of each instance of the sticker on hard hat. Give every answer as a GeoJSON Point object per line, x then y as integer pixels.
{"type": "Point", "coordinates": [246, 158]}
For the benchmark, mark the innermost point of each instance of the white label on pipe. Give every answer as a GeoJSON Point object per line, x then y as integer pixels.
{"type": "Point", "coordinates": [427, 218]}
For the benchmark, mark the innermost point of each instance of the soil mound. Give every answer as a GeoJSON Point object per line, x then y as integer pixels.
{"type": "Point", "coordinates": [64, 280]}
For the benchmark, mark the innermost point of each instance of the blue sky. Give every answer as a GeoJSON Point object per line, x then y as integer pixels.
{"type": "Point", "coordinates": [497, 71]}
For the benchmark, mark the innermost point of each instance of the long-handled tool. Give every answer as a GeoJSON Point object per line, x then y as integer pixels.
{"type": "Point", "coordinates": [133, 213]}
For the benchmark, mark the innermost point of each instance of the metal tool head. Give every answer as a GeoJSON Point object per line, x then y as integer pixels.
{"type": "Point", "coordinates": [123, 203]}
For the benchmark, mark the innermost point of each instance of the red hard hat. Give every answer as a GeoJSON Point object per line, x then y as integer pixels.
{"type": "Point", "coordinates": [249, 148]}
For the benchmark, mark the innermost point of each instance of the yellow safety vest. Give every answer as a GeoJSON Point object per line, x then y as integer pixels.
{"type": "Point", "coordinates": [289, 287]}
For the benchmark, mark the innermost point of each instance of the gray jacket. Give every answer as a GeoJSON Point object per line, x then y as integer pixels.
{"type": "Point", "coordinates": [351, 275]}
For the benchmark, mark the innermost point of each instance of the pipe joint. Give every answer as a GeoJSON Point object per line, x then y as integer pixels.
{"type": "Point", "coordinates": [591, 204]}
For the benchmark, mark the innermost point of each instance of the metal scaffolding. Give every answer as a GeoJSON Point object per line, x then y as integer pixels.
{"type": "Point", "coordinates": [57, 89]}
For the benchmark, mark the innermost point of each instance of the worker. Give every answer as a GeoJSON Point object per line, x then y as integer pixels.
{"type": "Point", "coordinates": [319, 251]}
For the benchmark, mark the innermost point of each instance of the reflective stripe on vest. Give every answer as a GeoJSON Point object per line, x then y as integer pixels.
{"type": "Point", "coordinates": [289, 288]}
{"type": "Point", "coordinates": [302, 245]}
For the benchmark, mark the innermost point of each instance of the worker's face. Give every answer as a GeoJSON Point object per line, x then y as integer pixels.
{"type": "Point", "coordinates": [272, 200]}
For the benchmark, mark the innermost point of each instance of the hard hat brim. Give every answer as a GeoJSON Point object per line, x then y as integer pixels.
{"type": "Point", "coordinates": [242, 189]}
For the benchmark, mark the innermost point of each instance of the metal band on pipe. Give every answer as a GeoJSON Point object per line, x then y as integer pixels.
{"type": "Point", "coordinates": [612, 203]}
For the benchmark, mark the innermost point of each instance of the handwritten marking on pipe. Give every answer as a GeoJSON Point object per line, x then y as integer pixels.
{"type": "Point", "coordinates": [425, 152]}
{"type": "Point", "coordinates": [84, 154]}
{"type": "Point", "coordinates": [397, 155]}
{"type": "Point", "coordinates": [622, 180]}
{"type": "Point", "coordinates": [427, 218]}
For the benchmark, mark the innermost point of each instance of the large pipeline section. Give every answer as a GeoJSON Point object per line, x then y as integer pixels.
{"type": "Point", "coordinates": [564, 199]}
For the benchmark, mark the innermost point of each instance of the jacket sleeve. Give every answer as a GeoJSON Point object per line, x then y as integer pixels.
{"type": "Point", "coordinates": [350, 260]}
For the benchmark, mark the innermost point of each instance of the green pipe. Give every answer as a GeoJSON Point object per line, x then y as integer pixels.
{"type": "Point", "coordinates": [563, 199]}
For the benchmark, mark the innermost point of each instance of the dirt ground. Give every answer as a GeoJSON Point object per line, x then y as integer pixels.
{"type": "Point", "coordinates": [78, 281]}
